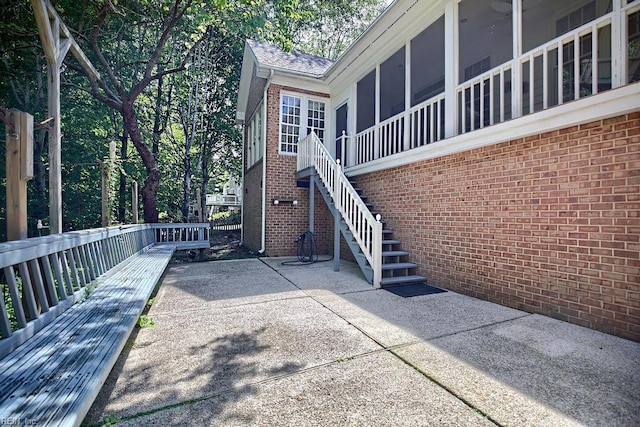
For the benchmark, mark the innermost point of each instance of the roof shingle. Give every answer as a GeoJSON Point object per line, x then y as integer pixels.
{"type": "Point", "coordinates": [273, 56]}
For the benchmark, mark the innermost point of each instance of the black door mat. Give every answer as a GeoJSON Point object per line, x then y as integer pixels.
{"type": "Point", "coordinates": [414, 290]}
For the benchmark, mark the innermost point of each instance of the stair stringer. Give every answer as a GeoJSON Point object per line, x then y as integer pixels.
{"type": "Point", "coordinates": [361, 260]}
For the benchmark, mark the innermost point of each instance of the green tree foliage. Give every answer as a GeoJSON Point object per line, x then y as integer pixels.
{"type": "Point", "coordinates": [332, 25]}
{"type": "Point", "coordinates": [136, 43]}
{"type": "Point", "coordinates": [23, 86]}
{"type": "Point", "coordinates": [153, 56]}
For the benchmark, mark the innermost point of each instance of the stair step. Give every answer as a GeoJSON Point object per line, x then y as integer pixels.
{"type": "Point", "coordinates": [394, 253]}
{"type": "Point", "coordinates": [398, 265]}
{"type": "Point", "coordinates": [390, 281]}
{"type": "Point", "coordinates": [387, 232]}
{"type": "Point", "coordinates": [391, 242]}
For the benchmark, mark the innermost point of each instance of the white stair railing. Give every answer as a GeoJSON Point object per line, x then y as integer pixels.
{"type": "Point", "coordinates": [366, 229]}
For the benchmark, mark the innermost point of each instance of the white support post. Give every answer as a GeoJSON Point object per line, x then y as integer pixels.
{"type": "Point", "coordinates": [406, 142]}
{"type": "Point", "coordinates": [618, 46]}
{"type": "Point", "coordinates": [376, 252]}
{"type": "Point", "coordinates": [377, 152]}
{"type": "Point", "coordinates": [516, 68]}
{"type": "Point", "coordinates": [451, 64]}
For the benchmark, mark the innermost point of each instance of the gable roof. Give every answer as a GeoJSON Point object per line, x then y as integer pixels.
{"type": "Point", "coordinates": [272, 56]}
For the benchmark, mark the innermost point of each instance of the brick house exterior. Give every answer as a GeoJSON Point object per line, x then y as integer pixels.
{"type": "Point", "coordinates": [517, 197]}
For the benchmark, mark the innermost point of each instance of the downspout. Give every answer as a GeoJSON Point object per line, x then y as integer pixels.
{"type": "Point", "coordinates": [244, 141]}
{"type": "Point", "coordinates": [264, 163]}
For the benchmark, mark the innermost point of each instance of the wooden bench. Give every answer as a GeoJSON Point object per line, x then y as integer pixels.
{"type": "Point", "coordinates": [57, 354]}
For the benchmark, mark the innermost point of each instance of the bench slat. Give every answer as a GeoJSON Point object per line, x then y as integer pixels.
{"type": "Point", "coordinates": [63, 328]}
{"type": "Point", "coordinates": [55, 376]}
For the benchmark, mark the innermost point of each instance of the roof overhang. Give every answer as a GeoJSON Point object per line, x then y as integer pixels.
{"type": "Point", "coordinates": [249, 61]}
{"type": "Point", "coordinates": [277, 75]}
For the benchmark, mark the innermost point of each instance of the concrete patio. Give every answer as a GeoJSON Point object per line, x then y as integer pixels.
{"type": "Point", "coordinates": [254, 342]}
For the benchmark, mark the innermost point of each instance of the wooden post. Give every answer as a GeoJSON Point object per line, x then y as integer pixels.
{"type": "Point", "coordinates": [56, 41]}
{"type": "Point", "coordinates": [55, 150]}
{"type": "Point", "coordinates": [19, 168]}
{"type": "Point", "coordinates": [134, 201]}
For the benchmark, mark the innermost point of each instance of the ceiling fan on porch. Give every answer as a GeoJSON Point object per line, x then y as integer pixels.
{"type": "Point", "coordinates": [531, 9]}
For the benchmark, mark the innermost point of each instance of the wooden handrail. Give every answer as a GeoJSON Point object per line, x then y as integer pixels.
{"type": "Point", "coordinates": [366, 230]}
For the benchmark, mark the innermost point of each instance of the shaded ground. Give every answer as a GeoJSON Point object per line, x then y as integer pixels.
{"type": "Point", "coordinates": [224, 245]}
{"type": "Point", "coordinates": [254, 342]}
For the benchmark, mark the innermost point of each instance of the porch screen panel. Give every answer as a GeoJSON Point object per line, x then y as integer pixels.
{"type": "Point", "coordinates": [392, 85]}
{"type": "Point", "coordinates": [486, 36]}
{"type": "Point", "coordinates": [366, 102]}
{"type": "Point", "coordinates": [427, 63]}
{"type": "Point", "coordinates": [633, 51]}
{"type": "Point", "coordinates": [544, 20]}
{"type": "Point", "coordinates": [290, 124]}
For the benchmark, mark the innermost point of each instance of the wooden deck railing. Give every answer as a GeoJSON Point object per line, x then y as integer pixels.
{"type": "Point", "coordinates": [43, 276]}
{"type": "Point", "coordinates": [183, 236]}
{"type": "Point", "coordinates": [366, 229]}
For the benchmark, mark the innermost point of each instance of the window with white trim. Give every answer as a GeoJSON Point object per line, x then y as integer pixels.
{"type": "Point", "coordinates": [254, 138]}
{"type": "Point", "coordinates": [299, 115]}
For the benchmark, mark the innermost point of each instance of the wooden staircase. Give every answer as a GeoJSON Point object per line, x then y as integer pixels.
{"type": "Point", "coordinates": [396, 267]}
{"type": "Point", "coordinates": [397, 270]}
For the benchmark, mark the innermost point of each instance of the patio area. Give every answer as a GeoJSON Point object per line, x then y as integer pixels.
{"type": "Point", "coordinates": [255, 342]}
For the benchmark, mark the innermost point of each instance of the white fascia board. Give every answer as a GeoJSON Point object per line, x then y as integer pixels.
{"type": "Point", "coordinates": [605, 105]}
{"type": "Point", "coordinates": [248, 62]}
{"type": "Point", "coordinates": [300, 82]}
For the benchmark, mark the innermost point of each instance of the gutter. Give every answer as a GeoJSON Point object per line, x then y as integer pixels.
{"type": "Point", "coordinates": [264, 163]}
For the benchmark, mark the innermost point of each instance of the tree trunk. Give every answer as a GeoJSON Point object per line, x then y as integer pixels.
{"type": "Point", "coordinates": [187, 195]}
{"type": "Point", "coordinates": [152, 181]}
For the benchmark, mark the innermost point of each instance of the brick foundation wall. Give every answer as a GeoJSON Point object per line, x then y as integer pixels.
{"type": "Point", "coordinates": [548, 224]}
{"type": "Point", "coordinates": [252, 221]}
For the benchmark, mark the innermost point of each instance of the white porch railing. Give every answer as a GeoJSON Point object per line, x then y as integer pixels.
{"type": "Point", "coordinates": [366, 230]}
{"type": "Point", "coordinates": [426, 122]}
{"type": "Point", "coordinates": [485, 99]}
{"type": "Point", "coordinates": [224, 200]}
{"type": "Point", "coordinates": [573, 65]}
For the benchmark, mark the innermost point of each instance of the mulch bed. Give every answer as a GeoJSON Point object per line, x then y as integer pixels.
{"type": "Point", "coordinates": [224, 245]}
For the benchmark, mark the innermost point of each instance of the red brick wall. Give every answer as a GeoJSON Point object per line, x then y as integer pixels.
{"type": "Point", "coordinates": [285, 222]}
{"type": "Point", "coordinates": [548, 224]}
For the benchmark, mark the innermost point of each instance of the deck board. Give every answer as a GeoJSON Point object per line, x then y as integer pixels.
{"type": "Point", "coordinates": [54, 377]}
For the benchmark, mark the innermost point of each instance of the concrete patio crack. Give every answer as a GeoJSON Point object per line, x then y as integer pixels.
{"type": "Point", "coordinates": [390, 349]}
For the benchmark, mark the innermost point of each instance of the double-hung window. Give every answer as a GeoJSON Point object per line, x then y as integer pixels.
{"type": "Point", "coordinates": [299, 115]}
